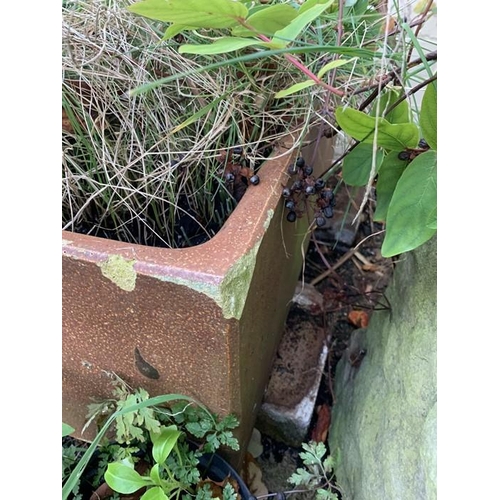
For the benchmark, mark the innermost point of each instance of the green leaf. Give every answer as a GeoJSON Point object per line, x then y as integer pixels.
{"type": "Point", "coordinates": [308, 4]}
{"type": "Point", "coordinates": [155, 493]}
{"type": "Point", "coordinates": [164, 442]}
{"type": "Point", "coordinates": [412, 206]}
{"type": "Point", "coordinates": [267, 21]}
{"type": "Point", "coordinates": [333, 64]}
{"type": "Point", "coordinates": [123, 479]}
{"type": "Point", "coordinates": [400, 114]}
{"type": "Point", "coordinates": [175, 29]}
{"type": "Point", "coordinates": [195, 13]}
{"type": "Point", "coordinates": [73, 479]}
{"type": "Point", "coordinates": [294, 88]}
{"type": "Point", "coordinates": [357, 164]}
{"type": "Point", "coordinates": [154, 474]}
{"type": "Point", "coordinates": [67, 429]}
{"type": "Point", "coordinates": [220, 46]}
{"type": "Point", "coordinates": [285, 36]}
{"type": "Point", "coordinates": [388, 176]}
{"type": "Point", "coordinates": [390, 136]}
{"type": "Point", "coordinates": [428, 115]}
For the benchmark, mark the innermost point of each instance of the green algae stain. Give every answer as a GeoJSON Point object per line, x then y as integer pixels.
{"type": "Point", "coordinates": [120, 271]}
{"type": "Point", "coordinates": [234, 288]}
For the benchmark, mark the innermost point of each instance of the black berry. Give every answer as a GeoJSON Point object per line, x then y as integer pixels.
{"type": "Point", "coordinates": [404, 155]}
{"type": "Point", "coordinates": [310, 190]}
{"type": "Point", "coordinates": [291, 217]}
{"type": "Point", "coordinates": [292, 169]}
{"type": "Point", "coordinates": [254, 179]}
{"type": "Point", "coordinates": [296, 186]}
{"type": "Point", "coordinates": [308, 170]}
{"type": "Point", "coordinates": [229, 177]}
{"type": "Point", "coordinates": [320, 221]}
{"type": "Point", "coordinates": [300, 162]}
{"type": "Point", "coordinates": [237, 150]}
{"type": "Point", "coordinates": [319, 184]}
{"type": "Point", "coordinates": [290, 204]}
{"type": "Point", "coordinates": [327, 194]}
{"type": "Point", "coordinates": [328, 212]}
{"type": "Point", "coordinates": [286, 192]}
{"type": "Point", "coordinates": [422, 143]}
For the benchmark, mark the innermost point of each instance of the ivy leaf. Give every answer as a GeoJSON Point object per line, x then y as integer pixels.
{"type": "Point", "coordinates": [195, 13]}
{"type": "Point", "coordinates": [412, 206]}
{"type": "Point", "coordinates": [388, 176]}
{"type": "Point", "coordinates": [357, 164]}
{"type": "Point", "coordinates": [267, 20]}
{"type": "Point", "coordinates": [428, 115]}
{"type": "Point", "coordinates": [220, 46]}
{"type": "Point", "coordinates": [124, 479]}
{"type": "Point", "coordinates": [390, 136]}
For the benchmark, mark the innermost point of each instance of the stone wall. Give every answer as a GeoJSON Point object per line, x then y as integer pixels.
{"type": "Point", "coordinates": [383, 432]}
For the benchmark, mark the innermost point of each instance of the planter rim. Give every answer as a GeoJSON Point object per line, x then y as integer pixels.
{"type": "Point", "coordinates": [210, 261]}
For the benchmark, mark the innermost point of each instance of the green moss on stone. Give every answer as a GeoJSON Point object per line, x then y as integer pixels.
{"type": "Point", "coordinates": [120, 271]}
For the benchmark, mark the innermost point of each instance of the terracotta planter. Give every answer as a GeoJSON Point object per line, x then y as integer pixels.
{"type": "Point", "coordinates": [203, 321]}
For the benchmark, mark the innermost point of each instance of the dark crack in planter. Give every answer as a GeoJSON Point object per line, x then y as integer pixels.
{"type": "Point", "coordinates": [203, 321]}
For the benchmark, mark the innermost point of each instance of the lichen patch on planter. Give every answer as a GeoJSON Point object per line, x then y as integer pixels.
{"type": "Point", "coordinates": [269, 218]}
{"type": "Point", "coordinates": [234, 288]}
{"type": "Point", "coordinates": [120, 271]}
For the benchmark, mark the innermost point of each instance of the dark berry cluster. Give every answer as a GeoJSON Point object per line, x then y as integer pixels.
{"type": "Point", "coordinates": [306, 189]}
{"type": "Point", "coordinates": [410, 154]}
{"type": "Point", "coordinates": [237, 172]}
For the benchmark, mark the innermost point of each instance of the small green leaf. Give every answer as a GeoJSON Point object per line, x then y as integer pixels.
{"type": "Point", "coordinates": [428, 115]}
{"type": "Point", "coordinates": [154, 474]}
{"type": "Point", "coordinates": [334, 64]}
{"type": "Point", "coordinates": [388, 176]}
{"type": "Point", "coordinates": [390, 136]}
{"type": "Point", "coordinates": [288, 34]}
{"type": "Point", "coordinates": [67, 429]}
{"type": "Point", "coordinates": [175, 29]}
{"type": "Point", "coordinates": [267, 21]}
{"type": "Point", "coordinates": [155, 493]}
{"type": "Point", "coordinates": [195, 13]}
{"type": "Point", "coordinates": [164, 442]}
{"type": "Point", "coordinates": [400, 114]}
{"type": "Point", "coordinates": [357, 164]}
{"type": "Point", "coordinates": [294, 88]}
{"type": "Point", "coordinates": [123, 479]}
{"type": "Point", "coordinates": [220, 46]}
{"type": "Point", "coordinates": [412, 206]}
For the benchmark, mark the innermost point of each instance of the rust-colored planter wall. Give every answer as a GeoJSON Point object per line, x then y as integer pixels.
{"type": "Point", "coordinates": [203, 321]}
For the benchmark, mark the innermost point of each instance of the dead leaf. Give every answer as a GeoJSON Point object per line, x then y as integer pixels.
{"type": "Point", "coordinates": [359, 319]}
{"type": "Point", "coordinates": [320, 431]}
{"type": "Point", "coordinates": [252, 476]}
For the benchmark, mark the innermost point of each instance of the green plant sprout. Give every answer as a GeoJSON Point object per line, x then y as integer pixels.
{"type": "Point", "coordinates": [166, 437]}
{"type": "Point", "coordinates": [317, 475]}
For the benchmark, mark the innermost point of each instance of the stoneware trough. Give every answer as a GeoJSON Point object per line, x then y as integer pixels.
{"type": "Point", "coordinates": [203, 321]}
